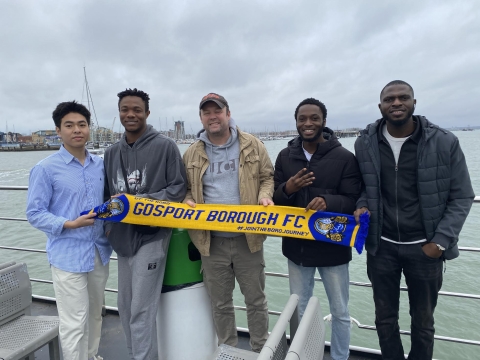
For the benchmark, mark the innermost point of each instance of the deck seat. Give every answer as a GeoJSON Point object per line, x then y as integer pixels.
{"type": "Point", "coordinates": [276, 347]}
{"type": "Point", "coordinates": [20, 333]}
{"type": "Point", "coordinates": [309, 341]}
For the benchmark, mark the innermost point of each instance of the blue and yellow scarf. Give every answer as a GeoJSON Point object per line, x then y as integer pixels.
{"type": "Point", "coordinates": [271, 220]}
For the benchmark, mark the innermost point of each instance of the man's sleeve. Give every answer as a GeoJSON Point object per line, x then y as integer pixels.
{"type": "Point", "coordinates": [362, 200]}
{"type": "Point", "coordinates": [107, 225]}
{"type": "Point", "coordinates": [40, 193]}
{"type": "Point", "coordinates": [279, 196]}
{"type": "Point", "coordinates": [348, 190]}
{"type": "Point", "coordinates": [176, 178]}
{"type": "Point", "coordinates": [459, 201]}
{"type": "Point", "coordinates": [266, 174]}
{"type": "Point", "coordinates": [188, 195]}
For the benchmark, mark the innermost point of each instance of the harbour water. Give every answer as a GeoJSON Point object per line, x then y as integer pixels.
{"type": "Point", "coordinates": [454, 317]}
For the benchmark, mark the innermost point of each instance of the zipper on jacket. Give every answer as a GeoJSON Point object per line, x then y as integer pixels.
{"type": "Point", "coordinates": [396, 198]}
{"type": "Point", "coordinates": [396, 188]}
{"type": "Point", "coordinates": [422, 144]}
{"type": "Point", "coordinates": [306, 190]}
{"type": "Point", "coordinates": [307, 196]}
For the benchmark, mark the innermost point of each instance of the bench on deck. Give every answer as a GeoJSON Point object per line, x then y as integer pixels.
{"type": "Point", "coordinates": [21, 334]}
{"type": "Point", "coordinates": [309, 341]}
{"type": "Point", "coordinates": [276, 346]}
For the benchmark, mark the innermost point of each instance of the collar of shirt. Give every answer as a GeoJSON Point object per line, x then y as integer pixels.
{"type": "Point", "coordinates": [415, 136]}
{"type": "Point", "coordinates": [68, 158]}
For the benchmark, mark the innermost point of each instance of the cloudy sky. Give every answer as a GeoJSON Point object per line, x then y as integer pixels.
{"type": "Point", "coordinates": [264, 56]}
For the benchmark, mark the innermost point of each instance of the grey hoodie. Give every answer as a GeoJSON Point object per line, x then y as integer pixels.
{"type": "Point", "coordinates": [220, 181]}
{"type": "Point", "coordinates": [154, 170]}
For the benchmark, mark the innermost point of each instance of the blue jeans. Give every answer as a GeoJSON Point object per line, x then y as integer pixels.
{"type": "Point", "coordinates": [336, 283]}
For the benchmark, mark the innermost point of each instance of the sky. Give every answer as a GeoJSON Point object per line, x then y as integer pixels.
{"type": "Point", "coordinates": [263, 56]}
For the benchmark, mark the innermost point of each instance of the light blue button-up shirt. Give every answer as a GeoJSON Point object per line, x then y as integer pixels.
{"type": "Point", "coordinates": [60, 188]}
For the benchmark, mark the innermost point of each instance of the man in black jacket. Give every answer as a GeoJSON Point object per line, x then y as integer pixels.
{"type": "Point", "coordinates": [418, 192]}
{"type": "Point", "coordinates": [317, 173]}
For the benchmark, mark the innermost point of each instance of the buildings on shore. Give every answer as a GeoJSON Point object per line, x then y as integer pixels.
{"type": "Point", "coordinates": [103, 135]}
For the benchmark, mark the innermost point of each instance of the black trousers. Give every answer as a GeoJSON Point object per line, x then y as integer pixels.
{"type": "Point", "coordinates": [423, 276]}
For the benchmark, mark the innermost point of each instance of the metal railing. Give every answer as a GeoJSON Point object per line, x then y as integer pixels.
{"type": "Point", "coordinates": [272, 274]}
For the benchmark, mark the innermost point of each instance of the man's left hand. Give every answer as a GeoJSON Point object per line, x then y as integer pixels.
{"type": "Point", "coordinates": [431, 250]}
{"type": "Point", "coordinates": [317, 204]}
{"type": "Point", "coordinates": [265, 202]}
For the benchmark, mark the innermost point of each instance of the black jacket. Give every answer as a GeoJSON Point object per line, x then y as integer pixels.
{"type": "Point", "coordinates": [402, 217]}
{"type": "Point", "coordinates": [337, 180]}
{"type": "Point", "coordinates": [445, 192]}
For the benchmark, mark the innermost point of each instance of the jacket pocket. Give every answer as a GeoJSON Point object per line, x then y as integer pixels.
{"type": "Point", "coordinates": [425, 256]}
{"type": "Point", "coordinates": [193, 172]}
{"type": "Point", "coordinates": [252, 166]}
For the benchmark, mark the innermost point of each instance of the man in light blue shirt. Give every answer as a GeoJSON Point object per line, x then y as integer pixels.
{"type": "Point", "coordinates": [61, 187]}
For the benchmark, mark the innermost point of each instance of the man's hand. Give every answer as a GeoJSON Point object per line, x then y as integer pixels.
{"type": "Point", "coordinates": [265, 202]}
{"type": "Point", "coordinates": [191, 203]}
{"type": "Point", "coordinates": [116, 195]}
{"type": "Point", "coordinates": [81, 221]}
{"type": "Point", "coordinates": [431, 250]}
{"type": "Point", "coordinates": [300, 180]}
{"type": "Point", "coordinates": [359, 212]}
{"type": "Point", "coordinates": [317, 204]}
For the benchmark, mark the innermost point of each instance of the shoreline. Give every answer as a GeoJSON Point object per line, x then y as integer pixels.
{"type": "Point", "coordinates": [28, 148]}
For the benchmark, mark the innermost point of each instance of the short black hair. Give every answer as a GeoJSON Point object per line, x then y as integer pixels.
{"type": "Point", "coordinates": [312, 101]}
{"type": "Point", "coordinates": [68, 107]}
{"type": "Point", "coordinates": [139, 93]}
{"type": "Point", "coordinates": [396, 82]}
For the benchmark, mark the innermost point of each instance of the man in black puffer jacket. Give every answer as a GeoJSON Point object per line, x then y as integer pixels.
{"type": "Point", "coordinates": [418, 191]}
{"type": "Point", "coordinates": [316, 172]}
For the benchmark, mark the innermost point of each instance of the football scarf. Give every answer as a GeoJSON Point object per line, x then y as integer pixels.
{"type": "Point", "coordinates": [256, 219]}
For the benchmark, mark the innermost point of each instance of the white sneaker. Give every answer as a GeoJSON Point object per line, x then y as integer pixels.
{"type": "Point", "coordinates": [96, 357]}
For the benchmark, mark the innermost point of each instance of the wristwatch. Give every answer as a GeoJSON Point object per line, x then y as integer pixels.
{"type": "Point", "coordinates": [440, 247]}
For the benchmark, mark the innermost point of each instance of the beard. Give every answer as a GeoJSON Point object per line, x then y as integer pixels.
{"type": "Point", "coordinates": [312, 139]}
{"type": "Point", "coordinates": [398, 122]}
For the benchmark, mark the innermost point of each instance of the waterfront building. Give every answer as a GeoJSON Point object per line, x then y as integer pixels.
{"type": "Point", "coordinates": [43, 136]}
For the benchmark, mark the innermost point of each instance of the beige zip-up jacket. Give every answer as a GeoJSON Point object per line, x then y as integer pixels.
{"type": "Point", "coordinates": [255, 179]}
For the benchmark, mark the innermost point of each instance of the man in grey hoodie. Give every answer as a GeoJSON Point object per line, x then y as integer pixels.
{"type": "Point", "coordinates": [148, 164]}
{"type": "Point", "coordinates": [229, 166]}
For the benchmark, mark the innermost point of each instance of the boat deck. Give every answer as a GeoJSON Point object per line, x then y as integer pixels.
{"type": "Point", "coordinates": [112, 344]}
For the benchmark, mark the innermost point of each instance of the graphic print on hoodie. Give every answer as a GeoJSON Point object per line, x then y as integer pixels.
{"type": "Point", "coordinates": [137, 180]}
{"type": "Point", "coordinates": [220, 181]}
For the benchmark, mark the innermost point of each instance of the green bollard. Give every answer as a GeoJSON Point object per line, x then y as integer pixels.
{"type": "Point", "coordinates": [184, 313]}
{"type": "Point", "coordinates": [183, 263]}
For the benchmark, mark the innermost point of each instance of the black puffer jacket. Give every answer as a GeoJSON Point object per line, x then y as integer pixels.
{"type": "Point", "coordinates": [337, 180]}
{"type": "Point", "coordinates": [445, 192]}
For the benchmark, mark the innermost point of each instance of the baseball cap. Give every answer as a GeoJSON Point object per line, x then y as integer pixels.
{"type": "Point", "coordinates": [217, 99]}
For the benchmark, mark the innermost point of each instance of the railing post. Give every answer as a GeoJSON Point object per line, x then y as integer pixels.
{"type": "Point", "coordinates": [104, 309]}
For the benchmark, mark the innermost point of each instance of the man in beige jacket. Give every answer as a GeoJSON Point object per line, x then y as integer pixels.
{"type": "Point", "coordinates": [228, 166]}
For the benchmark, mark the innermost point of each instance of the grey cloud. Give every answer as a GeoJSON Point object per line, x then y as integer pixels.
{"type": "Point", "coordinates": [264, 57]}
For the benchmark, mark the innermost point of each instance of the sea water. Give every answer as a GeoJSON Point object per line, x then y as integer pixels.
{"type": "Point", "coordinates": [454, 317]}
